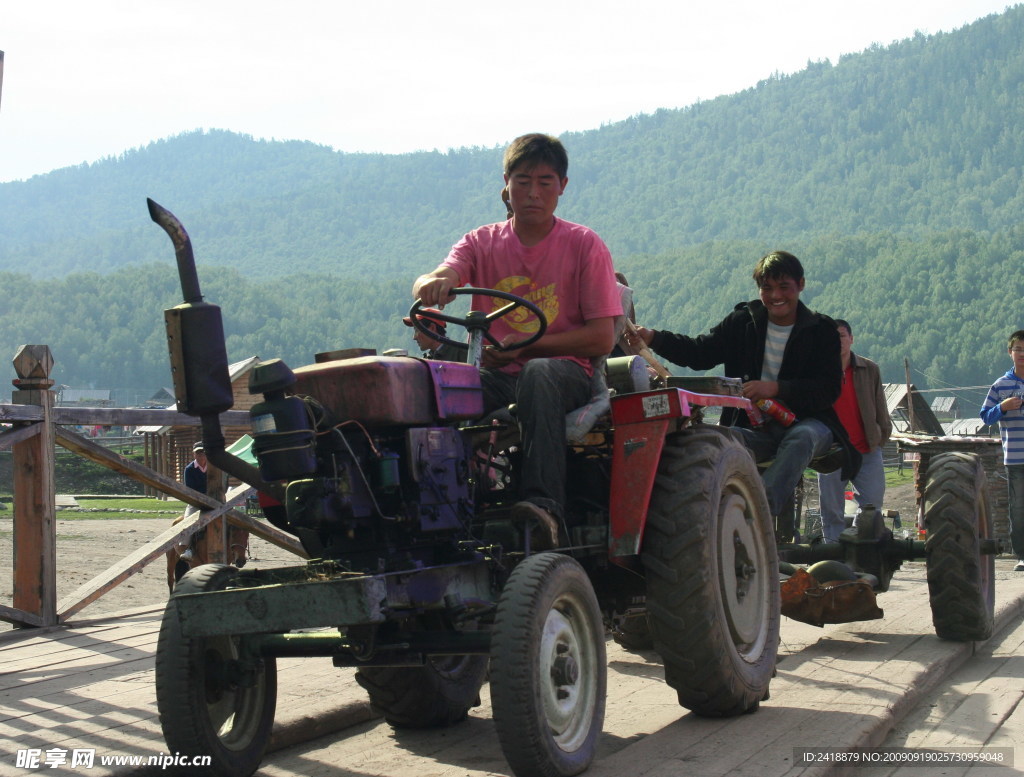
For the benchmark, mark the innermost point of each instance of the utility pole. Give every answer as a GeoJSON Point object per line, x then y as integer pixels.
{"type": "Point", "coordinates": [1, 74]}
{"type": "Point", "coordinates": [910, 393]}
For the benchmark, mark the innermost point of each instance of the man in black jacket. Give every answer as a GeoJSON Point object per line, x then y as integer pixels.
{"type": "Point", "coordinates": [783, 351]}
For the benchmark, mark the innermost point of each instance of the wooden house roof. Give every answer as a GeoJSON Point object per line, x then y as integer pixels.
{"type": "Point", "coordinates": [896, 402]}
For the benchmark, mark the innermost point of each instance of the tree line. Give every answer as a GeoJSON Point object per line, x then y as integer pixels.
{"type": "Point", "coordinates": [945, 302]}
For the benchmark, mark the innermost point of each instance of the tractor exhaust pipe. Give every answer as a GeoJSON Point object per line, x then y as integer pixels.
{"type": "Point", "coordinates": [182, 251]}
{"type": "Point", "coordinates": [199, 360]}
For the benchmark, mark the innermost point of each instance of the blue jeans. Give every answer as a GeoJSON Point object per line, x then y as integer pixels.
{"type": "Point", "coordinates": [869, 485]}
{"type": "Point", "coordinates": [791, 449]}
{"type": "Point", "coordinates": [544, 392]}
{"type": "Point", "coordinates": [1015, 482]}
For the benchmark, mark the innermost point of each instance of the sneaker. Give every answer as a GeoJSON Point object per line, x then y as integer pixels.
{"type": "Point", "coordinates": [1020, 566]}
{"type": "Point", "coordinates": [545, 535]}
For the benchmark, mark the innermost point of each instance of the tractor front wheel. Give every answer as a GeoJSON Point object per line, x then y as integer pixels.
{"type": "Point", "coordinates": [212, 700]}
{"type": "Point", "coordinates": [548, 671]}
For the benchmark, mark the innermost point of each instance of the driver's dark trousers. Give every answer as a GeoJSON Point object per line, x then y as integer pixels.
{"type": "Point", "coordinates": [544, 392]}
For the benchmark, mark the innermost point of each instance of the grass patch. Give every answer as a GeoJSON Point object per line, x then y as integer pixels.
{"type": "Point", "coordinates": [131, 503]}
{"type": "Point", "coordinates": [893, 478]}
{"type": "Point", "coordinates": [122, 508]}
{"type": "Point", "coordinates": [114, 508]}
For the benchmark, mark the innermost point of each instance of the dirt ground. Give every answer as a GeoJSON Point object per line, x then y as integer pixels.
{"type": "Point", "coordinates": [904, 499]}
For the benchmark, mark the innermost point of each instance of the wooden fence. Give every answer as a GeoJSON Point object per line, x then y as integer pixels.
{"type": "Point", "coordinates": [37, 426]}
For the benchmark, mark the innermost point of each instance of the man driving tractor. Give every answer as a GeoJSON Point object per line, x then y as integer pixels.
{"type": "Point", "coordinates": [566, 270]}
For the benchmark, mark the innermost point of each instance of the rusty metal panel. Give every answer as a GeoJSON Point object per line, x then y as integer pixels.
{"type": "Point", "coordinates": [278, 608]}
{"type": "Point", "coordinates": [635, 457]}
{"type": "Point", "coordinates": [641, 422]}
{"type": "Point", "coordinates": [330, 602]}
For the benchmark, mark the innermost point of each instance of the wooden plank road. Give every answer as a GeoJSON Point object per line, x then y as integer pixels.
{"type": "Point", "coordinates": [91, 686]}
{"type": "Point", "coordinates": [842, 686]}
{"type": "Point", "coordinates": [981, 703]}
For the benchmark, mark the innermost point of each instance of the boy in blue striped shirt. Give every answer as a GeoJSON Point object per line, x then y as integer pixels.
{"type": "Point", "coordinates": [1003, 405]}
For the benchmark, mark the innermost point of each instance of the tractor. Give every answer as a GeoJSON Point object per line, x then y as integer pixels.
{"type": "Point", "coordinates": [419, 577]}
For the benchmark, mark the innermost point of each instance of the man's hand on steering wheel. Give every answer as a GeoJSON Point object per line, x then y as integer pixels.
{"type": "Point", "coordinates": [478, 321]}
{"type": "Point", "coordinates": [436, 291]}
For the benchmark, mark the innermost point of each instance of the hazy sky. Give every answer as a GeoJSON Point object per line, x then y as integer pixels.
{"type": "Point", "coordinates": [87, 80]}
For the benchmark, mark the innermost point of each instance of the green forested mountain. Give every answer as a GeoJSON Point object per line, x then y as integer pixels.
{"type": "Point", "coordinates": [895, 174]}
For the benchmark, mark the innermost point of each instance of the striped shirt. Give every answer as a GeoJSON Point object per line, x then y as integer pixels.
{"type": "Point", "coordinates": [1011, 423]}
{"type": "Point", "coordinates": [774, 348]}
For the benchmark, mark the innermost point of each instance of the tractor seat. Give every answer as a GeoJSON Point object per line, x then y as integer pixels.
{"type": "Point", "coordinates": [630, 375]}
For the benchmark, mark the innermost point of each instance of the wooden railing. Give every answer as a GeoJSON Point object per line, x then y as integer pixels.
{"type": "Point", "coordinates": [37, 427]}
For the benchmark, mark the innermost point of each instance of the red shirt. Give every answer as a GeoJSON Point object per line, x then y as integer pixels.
{"type": "Point", "coordinates": [848, 410]}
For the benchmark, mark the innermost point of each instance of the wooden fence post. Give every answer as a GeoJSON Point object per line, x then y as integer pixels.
{"type": "Point", "coordinates": [35, 525]}
{"type": "Point", "coordinates": [216, 530]}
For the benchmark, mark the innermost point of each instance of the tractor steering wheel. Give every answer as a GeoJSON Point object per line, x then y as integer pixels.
{"type": "Point", "coordinates": [476, 321]}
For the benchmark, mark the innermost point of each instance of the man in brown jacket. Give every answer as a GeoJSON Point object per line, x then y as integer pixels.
{"type": "Point", "coordinates": [862, 410]}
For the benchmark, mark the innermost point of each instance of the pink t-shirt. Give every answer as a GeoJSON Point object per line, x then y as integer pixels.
{"type": "Point", "coordinates": [568, 275]}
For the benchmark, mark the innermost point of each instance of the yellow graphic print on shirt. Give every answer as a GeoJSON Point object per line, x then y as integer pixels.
{"type": "Point", "coordinates": [544, 297]}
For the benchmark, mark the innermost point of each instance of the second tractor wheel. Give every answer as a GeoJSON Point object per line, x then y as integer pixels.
{"type": "Point", "coordinates": [712, 574]}
{"type": "Point", "coordinates": [437, 694]}
{"type": "Point", "coordinates": [961, 581]}
{"type": "Point", "coordinates": [548, 671]}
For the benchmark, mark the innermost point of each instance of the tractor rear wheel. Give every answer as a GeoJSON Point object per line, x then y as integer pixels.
{"type": "Point", "coordinates": [211, 702]}
{"type": "Point", "coordinates": [435, 695]}
{"type": "Point", "coordinates": [712, 573]}
{"type": "Point", "coordinates": [961, 581]}
{"type": "Point", "coordinates": [549, 675]}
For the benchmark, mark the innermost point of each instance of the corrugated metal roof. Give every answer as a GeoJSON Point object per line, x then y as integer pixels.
{"type": "Point", "coordinates": [965, 427]}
